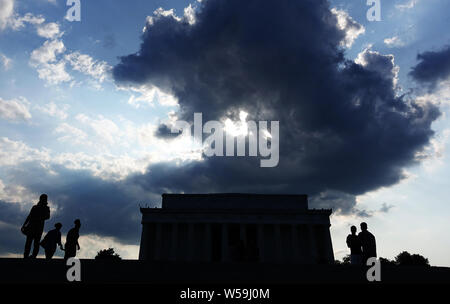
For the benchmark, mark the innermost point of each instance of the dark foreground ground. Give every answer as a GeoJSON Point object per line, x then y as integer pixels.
{"type": "Point", "coordinates": [132, 271]}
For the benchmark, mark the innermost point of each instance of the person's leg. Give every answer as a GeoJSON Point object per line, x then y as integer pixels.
{"type": "Point", "coordinates": [37, 241]}
{"type": "Point", "coordinates": [49, 253]}
{"type": "Point", "coordinates": [69, 252]}
{"type": "Point", "coordinates": [26, 252]}
{"type": "Point", "coordinates": [364, 258]}
{"type": "Point", "coordinates": [358, 259]}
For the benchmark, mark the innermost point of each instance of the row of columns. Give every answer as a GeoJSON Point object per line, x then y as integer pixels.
{"type": "Point", "coordinates": [308, 243]}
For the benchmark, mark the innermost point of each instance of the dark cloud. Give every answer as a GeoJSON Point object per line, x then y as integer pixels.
{"type": "Point", "coordinates": [164, 131]}
{"type": "Point", "coordinates": [433, 67]}
{"type": "Point", "coordinates": [109, 42]}
{"type": "Point", "coordinates": [385, 208]}
{"type": "Point", "coordinates": [236, 54]}
{"type": "Point", "coordinates": [342, 126]}
{"type": "Point", "coordinates": [12, 216]}
{"type": "Point", "coordinates": [383, 65]}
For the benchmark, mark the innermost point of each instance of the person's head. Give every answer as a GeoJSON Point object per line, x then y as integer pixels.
{"type": "Point", "coordinates": [353, 229]}
{"type": "Point", "coordinates": [363, 226]}
{"type": "Point", "coordinates": [58, 226]}
{"type": "Point", "coordinates": [43, 198]}
{"type": "Point", "coordinates": [77, 223]}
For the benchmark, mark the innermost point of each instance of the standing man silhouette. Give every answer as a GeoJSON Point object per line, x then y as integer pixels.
{"type": "Point", "coordinates": [34, 226]}
{"type": "Point", "coordinates": [354, 243]}
{"type": "Point", "coordinates": [368, 243]}
{"type": "Point", "coordinates": [72, 241]}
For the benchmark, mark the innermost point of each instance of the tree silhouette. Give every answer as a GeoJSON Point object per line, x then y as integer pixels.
{"type": "Point", "coordinates": [402, 259]}
{"type": "Point", "coordinates": [345, 260]}
{"type": "Point", "coordinates": [107, 254]}
{"type": "Point", "coordinates": [384, 261]}
{"type": "Point", "coordinates": [406, 259]}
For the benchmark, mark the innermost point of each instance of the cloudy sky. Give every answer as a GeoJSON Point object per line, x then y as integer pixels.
{"type": "Point", "coordinates": [85, 109]}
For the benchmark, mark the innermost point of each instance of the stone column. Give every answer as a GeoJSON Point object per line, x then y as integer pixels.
{"type": "Point", "coordinates": [296, 252]}
{"type": "Point", "coordinates": [208, 243]}
{"type": "Point", "coordinates": [225, 248]}
{"type": "Point", "coordinates": [191, 245]}
{"type": "Point", "coordinates": [328, 244]}
{"type": "Point", "coordinates": [278, 252]}
{"type": "Point", "coordinates": [174, 242]}
{"type": "Point", "coordinates": [143, 248]}
{"type": "Point", "coordinates": [243, 233]}
{"type": "Point", "coordinates": [312, 241]}
{"type": "Point", "coordinates": [304, 243]}
{"type": "Point", "coordinates": [261, 244]}
{"type": "Point", "coordinates": [243, 237]}
{"type": "Point", "coordinates": [158, 242]}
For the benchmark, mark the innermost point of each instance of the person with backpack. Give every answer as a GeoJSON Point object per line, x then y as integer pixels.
{"type": "Point", "coordinates": [33, 227]}
{"type": "Point", "coordinates": [51, 239]}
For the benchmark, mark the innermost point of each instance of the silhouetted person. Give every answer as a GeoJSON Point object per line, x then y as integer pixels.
{"type": "Point", "coordinates": [354, 243]}
{"type": "Point", "coordinates": [34, 226]}
{"type": "Point", "coordinates": [51, 239]}
{"type": "Point", "coordinates": [368, 243]}
{"type": "Point", "coordinates": [72, 241]}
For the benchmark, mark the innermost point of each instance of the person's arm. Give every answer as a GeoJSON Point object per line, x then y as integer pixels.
{"type": "Point", "coordinates": [27, 220]}
{"type": "Point", "coordinates": [59, 241]}
{"type": "Point", "coordinates": [78, 245]}
{"type": "Point", "coordinates": [374, 246]}
{"type": "Point", "coordinates": [348, 241]}
{"type": "Point", "coordinates": [361, 242]}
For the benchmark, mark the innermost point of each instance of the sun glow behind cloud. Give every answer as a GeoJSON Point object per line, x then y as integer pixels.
{"type": "Point", "coordinates": [239, 128]}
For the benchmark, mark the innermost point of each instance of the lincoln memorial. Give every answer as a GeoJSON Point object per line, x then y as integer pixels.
{"type": "Point", "coordinates": [236, 228]}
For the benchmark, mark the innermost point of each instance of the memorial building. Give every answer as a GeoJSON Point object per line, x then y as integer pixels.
{"type": "Point", "coordinates": [253, 228]}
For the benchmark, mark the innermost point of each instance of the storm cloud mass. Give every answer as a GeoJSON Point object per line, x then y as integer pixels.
{"type": "Point", "coordinates": [343, 129]}
{"type": "Point", "coordinates": [433, 67]}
